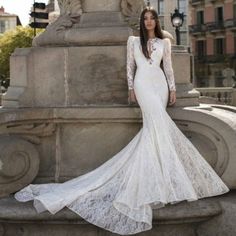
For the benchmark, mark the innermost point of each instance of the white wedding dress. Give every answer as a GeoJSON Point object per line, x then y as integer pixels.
{"type": "Point", "coordinates": [159, 165]}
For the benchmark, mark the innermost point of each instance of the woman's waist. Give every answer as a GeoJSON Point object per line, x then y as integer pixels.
{"type": "Point", "coordinates": [149, 69]}
{"type": "Point", "coordinates": [147, 66]}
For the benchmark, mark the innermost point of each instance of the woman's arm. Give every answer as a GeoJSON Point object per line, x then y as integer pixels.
{"type": "Point", "coordinates": [167, 64]}
{"type": "Point", "coordinates": [131, 65]}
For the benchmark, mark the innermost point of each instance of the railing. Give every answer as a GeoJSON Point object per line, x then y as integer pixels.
{"type": "Point", "coordinates": [194, 2]}
{"type": "Point", "coordinates": [215, 26]}
{"type": "Point", "coordinates": [230, 23]}
{"type": "Point", "coordinates": [214, 58]}
{"type": "Point", "coordinates": [212, 26]}
{"type": "Point", "coordinates": [223, 95]}
{"type": "Point", "coordinates": [199, 28]}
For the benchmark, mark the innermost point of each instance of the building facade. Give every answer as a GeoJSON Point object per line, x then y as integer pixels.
{"type": "Point", "coordinates": [213, 41]}
{"type": "Point", "coordinates": [8, 21]}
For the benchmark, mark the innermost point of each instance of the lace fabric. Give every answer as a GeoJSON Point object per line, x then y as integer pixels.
{"type": "Point", "coordinates": [167, 64]}
{"type": "Point", "coordinates": [155, 59]}
{"type": "Point", "coordinates": [131, 65]}
{"type": "Point", "coordinates": [158, 166]}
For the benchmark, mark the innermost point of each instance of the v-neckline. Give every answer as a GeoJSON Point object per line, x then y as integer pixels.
{"type": "Point", "coordinates": [151, 42]}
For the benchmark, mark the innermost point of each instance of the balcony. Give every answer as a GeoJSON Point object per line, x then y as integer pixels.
{"type": "Point", "coordinates": [196, 2]}
{"type": "Point", "coordinates": [230, 23]}
{"type": "Point", "coordinates": [210, 1]}
{"type": "Point", "coordinates": [197, 29]}
{"type": "Point", "coordinates": [219, 58]}
{"type": "Point", "coordinates": [213, 27]}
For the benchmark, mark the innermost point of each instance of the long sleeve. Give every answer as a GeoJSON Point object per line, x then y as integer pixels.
{"type": "Point", "coordinates": [131, 65]}
{"type": "Point", "coordinates": [167, 64]}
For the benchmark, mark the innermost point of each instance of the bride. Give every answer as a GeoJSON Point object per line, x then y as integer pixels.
{"type": "Point", "coordinates": [159, 165]}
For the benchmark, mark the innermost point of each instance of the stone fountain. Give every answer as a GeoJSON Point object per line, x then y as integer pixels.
{"type": "Point", "coordinates": [68, 93]}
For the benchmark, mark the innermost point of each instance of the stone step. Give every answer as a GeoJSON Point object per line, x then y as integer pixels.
{"type": "Point", "coordinates": [18, 219]}
{"type": "Point", "coordinates": [12, 210]}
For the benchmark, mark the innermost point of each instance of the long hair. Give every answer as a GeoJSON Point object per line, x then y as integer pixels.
{"type": "Point", "coordinates": [144, 32]}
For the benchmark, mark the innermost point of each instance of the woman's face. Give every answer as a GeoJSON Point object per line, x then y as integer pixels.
{"type": "Point", "coordinates": [149, 21]}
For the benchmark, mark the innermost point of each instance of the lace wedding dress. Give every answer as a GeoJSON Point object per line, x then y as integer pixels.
{"type": "Point", "coordinates": [159, 165]}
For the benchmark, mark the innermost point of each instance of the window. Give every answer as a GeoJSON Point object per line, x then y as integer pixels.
{"type": "Point", "coordinates": [182, 6]}
{"type": "Point", "coordinates": [218, 78]}
{"type": "Point", "coordinates": [200, 17]}
{"type": "Point", "coordinates": [219, 46]}
{"type": "Point", "coordinates": [183, 37]}
{"type": "Point", "coordinates": [235, 43]}
{"type": "Point", "coordinates": [234, 9]}
{"type": "Point", "coordinates": [201, 47]}
{"type": "Point", "coordinates": [7, 26]}
{"type": "Point", "coordinates": [2, 26]}
{"type": "Point", "coordinates": [160, 5]}
{"type": "Point", "coordinates": [161, 19]}
{"type": "Point", "coordinates": [219, 14]}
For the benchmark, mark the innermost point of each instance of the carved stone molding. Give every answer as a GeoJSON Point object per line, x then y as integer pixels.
{"type": "Point", "coordinates": [209, 142]}
{"type": "Point", "coordinates": [212, 129]}
{"type": "Point", "coordinates": [19, 164]}
{"type": "Point", "coordinates": [70, 12]}
{"type": "Point", "coordinates": [29, 131]}
{"type": "Point", "coordinates": [78, 18]}
{"type": "Point", "coordinates": [132, 9]}
{"type": "Point", "coordinates": [62, 136]}
{"type": "Point", "coordinates": [70, 7]}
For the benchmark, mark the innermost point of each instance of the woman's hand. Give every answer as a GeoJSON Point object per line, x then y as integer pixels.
{"type": "Point", "coordinates": [132, 97]}
{"type": "Point", "coordinates": [172, 99]}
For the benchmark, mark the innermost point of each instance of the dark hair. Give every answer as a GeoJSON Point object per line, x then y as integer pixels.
{"type": "Point", "coordinates": [144, 32]}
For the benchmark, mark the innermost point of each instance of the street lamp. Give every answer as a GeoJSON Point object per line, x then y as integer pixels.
{"type": "Point", "coordinates": [177, 20]}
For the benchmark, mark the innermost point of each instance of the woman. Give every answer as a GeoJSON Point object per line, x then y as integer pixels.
{"type": "Point", "coordinates": [159, 166]}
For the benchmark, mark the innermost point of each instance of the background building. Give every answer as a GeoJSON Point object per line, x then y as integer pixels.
{"type": "Point", "coordinates": [213, 40]}
{"type": "Point", "coordinates": [8, 21]}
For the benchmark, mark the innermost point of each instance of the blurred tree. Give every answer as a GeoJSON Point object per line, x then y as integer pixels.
{"type": "Point", "coordinates": [21, 37]}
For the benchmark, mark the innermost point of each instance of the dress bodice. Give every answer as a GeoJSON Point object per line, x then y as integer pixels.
{"type": "Point", "coordinates": [155, 46]}
{"type": "Point", "coordinates": [159, 49]}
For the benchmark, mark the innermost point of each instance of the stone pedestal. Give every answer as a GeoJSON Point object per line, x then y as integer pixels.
{"type": "Point", "coordinates": [84, 75]}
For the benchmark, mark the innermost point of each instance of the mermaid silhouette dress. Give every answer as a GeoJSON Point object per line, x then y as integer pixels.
{"type": "Point", "coordinates": [158, 166]}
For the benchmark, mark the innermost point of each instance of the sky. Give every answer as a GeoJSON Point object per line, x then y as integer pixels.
{"type": "Point", "coordinates": [20, 8]}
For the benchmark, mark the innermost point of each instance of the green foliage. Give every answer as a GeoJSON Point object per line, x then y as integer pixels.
{"type": "Point", "coordinates": [21, 37]}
